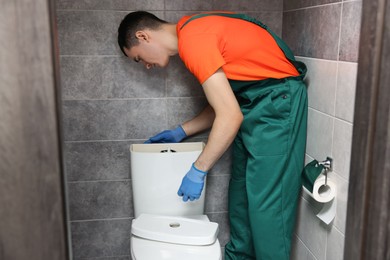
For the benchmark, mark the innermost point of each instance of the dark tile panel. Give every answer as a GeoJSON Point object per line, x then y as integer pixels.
{"type": "Point", "coordinates": [102, 77]}
{"type": "Point", "coordinates": [100, 200]}
{"type": "Point", "coordinates": [111, 5]}
{"type": "Point", "coordinates": [183, 5]}
{"type": "Point", "coordinates": [217, 193]}
{"type": "Point", "coordinates": [127, 257]}
{"type": "Point", "coordinates": [113, 120]}
{"type": "Point", "coordinates": [90, 32]}
{"type": "Point", "coordinates": [240, 5]}
{"type": "Point", "coordinates": [97, 160]}
{"type": "Point", "coordinates": [184, 109]}
{"type": "Point", "coordinates": [313, 32]}
{"type": "Point", "coordinates": [245, 5]}
{"type": "Point", "coordinates": [294, 4]}
{"type": "Point", "coordinates": [180, 82]}
{"type": "Point", "coordinates": [105, 238]}
{"type": "Point", "coordinates": [350, 31]}
{"type": "Point", "coordinates": [224, 228]}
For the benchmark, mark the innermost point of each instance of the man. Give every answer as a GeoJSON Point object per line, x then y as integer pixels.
{"type": "Point", "coordinates": [257, 100]}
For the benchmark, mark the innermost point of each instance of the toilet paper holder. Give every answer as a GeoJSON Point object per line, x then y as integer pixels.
{"type": "Point", "coordinates": [327, 164]}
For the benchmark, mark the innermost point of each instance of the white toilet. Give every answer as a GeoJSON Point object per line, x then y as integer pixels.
{"type": "Point", "coordinates": [165, 227]}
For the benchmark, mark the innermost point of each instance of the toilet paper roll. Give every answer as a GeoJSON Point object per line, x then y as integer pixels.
{"type": "Point", "coordinates": [324, 194]}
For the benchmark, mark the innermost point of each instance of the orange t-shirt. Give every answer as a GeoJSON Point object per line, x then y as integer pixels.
{"type": "Point", "coordinates": [244, 50]}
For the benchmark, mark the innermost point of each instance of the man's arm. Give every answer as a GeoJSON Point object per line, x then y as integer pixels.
{"type": "Point", "coordinates": [227, 119]}
{"type": "Point", "coordinates": [203, 121]}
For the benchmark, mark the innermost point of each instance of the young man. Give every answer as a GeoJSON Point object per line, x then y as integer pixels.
{"type": "Point", "coordinates": [257, 100]}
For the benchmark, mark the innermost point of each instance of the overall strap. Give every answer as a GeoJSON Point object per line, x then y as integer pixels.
{"type": "Point", "coordinates": [300, 66]}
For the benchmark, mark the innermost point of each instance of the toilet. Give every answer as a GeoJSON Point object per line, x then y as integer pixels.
{"type": "Point", "coordinates": [165, 227]}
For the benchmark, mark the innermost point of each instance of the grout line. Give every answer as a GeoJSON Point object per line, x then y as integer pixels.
{"type": "Point", "coordinates": [102, 141]}
{"type": "Point", "coordinates": [163, 10]}
{"type": "Point", "coordinates": [89, 55]}
{"type": "Point", "coordinates": [311, 7]}
{"type": "Point", "coordinates": [333, 117]}
{"type": "Point", "coordinates": [137, 98]}
{"type": "Point", "coordinates": [103, 257]}
{"type": "Point", "coordinates": [91, 181]}
{"type": "Point", "coordinates": [307, 248]}
{"type": "Point", "coordinates": [99, 219]}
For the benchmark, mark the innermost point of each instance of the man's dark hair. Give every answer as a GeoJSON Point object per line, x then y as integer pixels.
{"type": "Point", "coordinates": [134, 22]}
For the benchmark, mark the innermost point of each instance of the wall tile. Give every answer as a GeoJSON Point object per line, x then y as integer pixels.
{"type": "Point", "coordinates": [111, 5]}
{"type": "Point", "coordinates": [350, 31]}
{"type": "Point", "coordinates": [307, 223]}
{"type": "Point", "coordinates": [319, 135]}
{"type": "Point", "coordinates": [183, 5]}
{"type": "Point", "coordinates": [224, 229]}
{"type": "Point", "coordinates": [321, 80]}
{"type": "Point", "coordinates": [174, 16]}
{"type": "Point", "coordinates": [335, 245]}
{"type": "Point", "coordinates": [346, 89]}
{"type": "Point", "coordinates": [180, 82]}
{"type": "Point", "coordinates": [301, 31]}
{"type": "Point", "coordinates": [106, 258]}
{"type": "Point", "coordinates": [241, 5]}
{"type": "Point", "coordinates": [102, 77]}
{"type": "Point", "coordinates": [90, 32]}
{"type": "Point", "coordinates": [97, 160]}
{"type": "Point", "coordinates": [342, 144]}
{"type": "Point", "coordinates": [101, 238]}
{"type": "Point", "coordinates": [342, 197]}
{"type": "Point", "coordinates": [217, 193]}
{"type": "Point", "coordinates": [99, 200]}
{"type": "Point", "coordinates": [299, 250]}
{"type": "Point", "coordinates": [294, 4]}
{"type": "Point", "coordinates": [91, 4]}
{"type": "Point", "coordinates": [183, 109]}
{"type": "Point", "coordinates": [245, 5]}
{"type": "Point", "coordinates": [113, 120]}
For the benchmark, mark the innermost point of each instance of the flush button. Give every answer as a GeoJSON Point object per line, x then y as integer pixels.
{"type": "Point", "coordinates": [174, 225]}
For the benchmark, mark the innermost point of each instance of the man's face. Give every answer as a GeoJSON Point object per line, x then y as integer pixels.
{"type": "Point", "coordinates": [149, 52]}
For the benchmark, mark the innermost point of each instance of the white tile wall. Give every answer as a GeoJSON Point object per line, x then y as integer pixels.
{"type": "Point", "coordinates": [345, 94]}
{"type": "Point", "coordinates": [332, 72]}
{"type": "Point", "coordinates": [322, 81]}
{"type": "Point", "coordinates": [335, 245]}
{"type": "Point", "coordinates": [331, 90]}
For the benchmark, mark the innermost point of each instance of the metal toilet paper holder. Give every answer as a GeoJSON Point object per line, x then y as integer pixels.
{"type": "Point", "coordinates": [327, 164]}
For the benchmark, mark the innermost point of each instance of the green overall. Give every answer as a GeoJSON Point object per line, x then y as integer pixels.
{"type": "Point", "coordinates": [268, 158]}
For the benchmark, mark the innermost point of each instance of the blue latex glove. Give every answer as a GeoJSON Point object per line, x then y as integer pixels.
{"type": "Point", "coordinates": [168, 136]}
{"type": "Point", "coordinates": [192, 184]}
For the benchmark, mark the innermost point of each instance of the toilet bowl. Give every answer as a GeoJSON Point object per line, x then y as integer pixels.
{"type": "Point", "coordinates": [174, 238]}
{"type": "Point", "coordinates": [165, 227]}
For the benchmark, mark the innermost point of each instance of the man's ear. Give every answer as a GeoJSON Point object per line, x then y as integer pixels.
{"type": "Point", "coordinates": [142, 36]}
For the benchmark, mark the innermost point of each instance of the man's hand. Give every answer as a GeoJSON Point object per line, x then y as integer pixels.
{"type": "Point", "coordinates": [168, 136]}
{"type": "Point", "coordinates": [192, 184]}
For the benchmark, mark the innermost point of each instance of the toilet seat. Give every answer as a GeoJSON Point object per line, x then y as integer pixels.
{"type": "Point", "coordinates": [195, 238]}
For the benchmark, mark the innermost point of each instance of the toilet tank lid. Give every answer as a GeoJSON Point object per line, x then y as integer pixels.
{"type": "Point", "coordinates": [177, 230]}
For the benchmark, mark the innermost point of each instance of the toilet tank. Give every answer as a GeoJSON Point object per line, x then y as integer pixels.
{"type": "Point", "coordinates": [156, 174]}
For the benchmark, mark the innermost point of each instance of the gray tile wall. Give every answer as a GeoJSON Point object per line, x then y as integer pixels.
{"type": "Point", "coordinates": [325, 35]}
{"type": "Point", "coordinates": [110, 102]}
